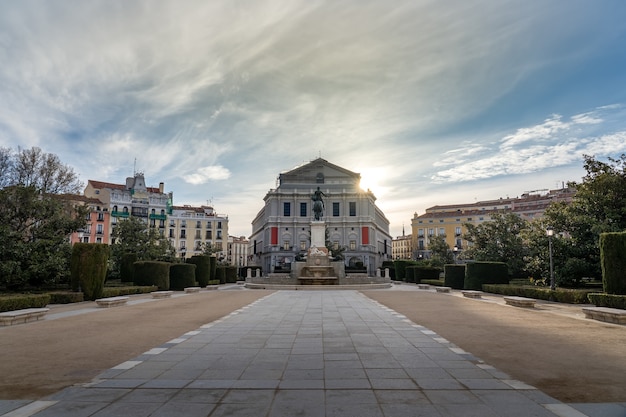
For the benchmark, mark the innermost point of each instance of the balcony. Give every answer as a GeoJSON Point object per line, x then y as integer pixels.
{"type": "Point", "coordinates": [123, 214]}
{"type": "Point", "coordinates": [154, 216]}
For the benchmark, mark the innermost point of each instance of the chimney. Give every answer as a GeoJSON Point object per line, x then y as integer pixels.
{"type": "Point", "coordinates": [161, 187]}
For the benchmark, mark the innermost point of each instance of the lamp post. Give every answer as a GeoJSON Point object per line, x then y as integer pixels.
{"type": "Point", "coordinates": [455, 250]}
{"type": "Point", "coordinates": [550, 233]}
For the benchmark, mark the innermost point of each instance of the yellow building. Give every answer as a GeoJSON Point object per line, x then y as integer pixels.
{"type": "Point", "coordinates": [402, 247]}
{"type": "Point", "coordinates": [192, 228]}
{"type": "Point", "coordinates": [449, 220]}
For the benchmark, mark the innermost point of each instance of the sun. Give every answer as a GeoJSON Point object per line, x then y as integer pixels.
{"type": "Point", "coordinates": [371, 179]}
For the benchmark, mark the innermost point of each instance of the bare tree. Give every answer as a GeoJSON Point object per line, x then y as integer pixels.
{"type": "Point", "coordinates": [43, 171]}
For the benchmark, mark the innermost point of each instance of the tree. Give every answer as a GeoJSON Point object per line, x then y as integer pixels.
{"type": "Point", "coordinates": [133, 236]}
{"type": "Point", "coordinates": [43, 171]}
{"type": "Point", "coordinates": [440, 251]}
{"type": "Point", "coordinates": [34, 249]}
{"type": "Point", "coordinates": [499, 240]}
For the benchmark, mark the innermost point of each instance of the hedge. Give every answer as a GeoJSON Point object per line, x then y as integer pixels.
{"type": "Point", "coordinates": [421, 273]}
{"type": "Point", "coordinates": [613, 262]}
{"type": "Point", "coordinates": [213, 268]}
{"type": "Point", "coordinates": [66, 297]}
{"type": "Point", "coordinates": [117, 291]}
{"type": "Point", "coordinates": [230, 274]}
{"type": "Point", "coordinates": [608, 300]}
{"type": "Point", "coordinates": [88, 268]}
{"type": "Point", "coordinates": [479, 273]}
{"type": "Point", "coordinates": [152, 273]}
{"type": "Point", "coordinates": [203, 268]}
{"type": "Point", "coordinates": [127, 269]}
{"type": "Point", "coordinates": [21, 301]}
{"type": "Point", "coordinates": [454, 276]}
{"type": "Point", "coordinates": [400, 266]}
{"type": "Point", "coordinates": [182, 276]}
{"type": "Point", "coordinates": [561, 295]}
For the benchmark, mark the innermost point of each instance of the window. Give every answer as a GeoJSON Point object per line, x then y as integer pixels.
{"type": "Point", "coordinates": [172, 224]}
{"type": "Point", "coordinates": [353, 245]}
{"type": "Point", "coordinates": [183, 244]}
{"type": "Point", "coordinates": [431, 232]}
{"type": "Point", "coordinates": [335, 209]}
{"type": "Point", "coordinates": [171, 232]}
{"type": "Point", "coordinates": [352, 208]}
{"type": "Point", "coordinates": [99, 229]}
{"type": "Point", "coordinates": [442, 231]}
{"type": "Point", "coordinates": [98, 240]}
{"type": "Point", "coordinates": [420, 244]}
{"type": "Point", "coordinates": [183, 234]}
{"type": "Point", "coordinates": [319, 178]}
{"type": "Point", "coordinates": [198, 234]}
{"type": "Point", "coordinates": [420, 232]}
{"type": "Point", "coordinates": [198, 224]}
{"type": "Point", "coordinates": [335, 245]}
{"type": "Point", "coordinates": [457, 231]}
{"type": "Point", "coordinates": [219, 225]}
{"type": "Point", "coordinates": [100, 217]}
{"type": "Point", "coordinates": [303, 245]}
{"type": "Point", "coordinates": [286, 245]}
{"type": "Point", "coordinates": [303, 212]}
{"type": "Point", "coordinates": [219, 234]}
{"type": "Point", "coordinates": [86, 239]}
{"type": "Point", "coordinates": [286, 209]}
{"type": "Point", "coordinates": [183, 223]}
{"type": "Point", "coordinates": [209, 234]}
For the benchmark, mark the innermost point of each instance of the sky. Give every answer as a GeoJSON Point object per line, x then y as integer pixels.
{"type": "Point", "coordinates": [432, 102]}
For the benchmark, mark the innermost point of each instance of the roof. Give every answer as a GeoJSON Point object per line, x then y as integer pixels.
{"type": "Point", "coordinates": [109, 185]}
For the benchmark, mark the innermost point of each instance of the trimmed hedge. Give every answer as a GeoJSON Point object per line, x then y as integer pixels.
{"type": "Point", "coordinates": [117, 291]}
{"type": "Point", "coordinates": [22, 301]}
{"type": "Point", "coordinates": [220, 274]}
{"type": "Point", "coordinates": [454, 276]}
{"type": "Point", "coordinates": [88, 268]}
{"type": "Point", "coordinates": [213, 268]}
{"type": "Point", "coordinates": [613, 262]}
{"type": "Point", "coordinates": [127, 269]}
{"type": "Point", "coordinates": [203, 268]}
{"type": "Point", "coordinates": [230, 274]}
{"type": "Point", "coordinates": [66, 297]}
{"type": "Point", "coordinates": [561, 295]}
{"type": "Point", "coordinates": [409, 274]}
{"type": "Point", "coordinates": [214, 282]}
{"type": "Point", "coordinates": [400, 266]}
{"type": "Point", "coordinates": [435, 282]}
{"type": "Point", "coordinates": [608, 300]}
{"type": "Point", "coordinates": [152, 273]}
{"type": "Point", "coordinates": [421, 273]}
{"type": "Point", "coordinates": [479, 273]}
{"type": "Point", "coordinates": [182, 276]}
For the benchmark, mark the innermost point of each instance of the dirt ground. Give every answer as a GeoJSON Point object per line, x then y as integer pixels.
{"type": "Point", "coordinates": [571, 359]}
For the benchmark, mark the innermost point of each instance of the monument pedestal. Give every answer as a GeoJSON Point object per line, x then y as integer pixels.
{"type": "Point", "coordinates": [318, 233]}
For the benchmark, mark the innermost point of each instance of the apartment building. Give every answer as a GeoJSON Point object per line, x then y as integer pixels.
{"type": "Point", "coordinates": [192, 229]}
{"type": "Point", "coordinates": [449, 220]}
{"type": "Point", "coordinates": [238, 251]}
{"type": "Point", "coordinates": [402, 247]}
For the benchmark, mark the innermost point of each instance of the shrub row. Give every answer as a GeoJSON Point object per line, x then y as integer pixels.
{"type": "Point", "coordinates": [21, 301]}
{"type": "Point", "coordinates": [561, 295]}
{"type": "Point", "coordinates": [66, 297]}
{"type": "Point", "coordinates": [435, 282]}
{"type": "Point", "coordinates": [608, 300]}
{"type": "Point", "coordinates": [117, 291]}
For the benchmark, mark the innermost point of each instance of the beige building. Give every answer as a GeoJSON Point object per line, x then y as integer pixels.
{"type": "Point", "coordinates": [238, 251]}
{"type": "Point", "coordinates": [190, 229]}
{"type": "Point", "coordinates": [449, 220]}
{"type": "Point", "coordinates": [402, 247]}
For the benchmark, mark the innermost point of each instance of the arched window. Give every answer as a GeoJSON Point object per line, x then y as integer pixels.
{"type": "Point", "coordinates": [319, 178]}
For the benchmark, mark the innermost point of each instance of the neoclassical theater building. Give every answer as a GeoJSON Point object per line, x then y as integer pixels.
{"type": "Point", "coordinates": [281, 231]}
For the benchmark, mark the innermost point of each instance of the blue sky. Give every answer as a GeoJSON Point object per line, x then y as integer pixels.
{"type": "Point", "coordinates": [433, 102]}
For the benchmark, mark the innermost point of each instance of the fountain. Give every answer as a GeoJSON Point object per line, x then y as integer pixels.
{"type": "Point", "coordinates": [317, 269]}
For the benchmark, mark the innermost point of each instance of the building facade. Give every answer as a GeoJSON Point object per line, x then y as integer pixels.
{"type": "Point", "coordinates": [192, 229]}
{"type": "Point", "coordinates": [132, 199]}
{"type": "Point", "coordinates": [97, 223]}
{"type": "Point", "coordinates": [238, 251]}
{"type": "Point", "coordinates": [402, 247]}
{"type": "Point", "coordinates": [281, 230]}
{"type": "Point", "coordinates": [449, 220]}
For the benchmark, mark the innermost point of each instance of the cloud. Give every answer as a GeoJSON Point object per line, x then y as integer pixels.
{"type": "Point", "coordinates": [206, 174]}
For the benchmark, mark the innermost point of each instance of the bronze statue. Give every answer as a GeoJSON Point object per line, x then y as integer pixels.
{"type": "Point", "coordinates": [318, 205]}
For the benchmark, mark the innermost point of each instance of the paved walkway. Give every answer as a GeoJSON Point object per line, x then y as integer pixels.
{"type": "Point", "coordinates": [302, 353]}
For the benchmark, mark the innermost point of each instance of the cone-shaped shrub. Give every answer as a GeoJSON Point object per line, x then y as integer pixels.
{"type": "Point", "coordinates": [88, 268]}
{"type": "Point", "coordinates": [126, 267]}
{"type": "Point", "coordinates": [613, 261]}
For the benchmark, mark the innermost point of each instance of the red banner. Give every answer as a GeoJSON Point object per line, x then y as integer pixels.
{"type": "Point", "coordinates": [274, 239]}
{"type": "Point", "coordinates": [365, 235]}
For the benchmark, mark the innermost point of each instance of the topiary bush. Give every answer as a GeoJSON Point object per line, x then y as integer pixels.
{"type": "Point", "coordinates": [88, 268]}
{"type": "Point", "coordinates": [230, 274]}
{"type": "Point", "coordinates": [152, 273]}
{"type": "Point", "coordinates": [213, 268]}
{"type": "Point", "coordinates": [203, 268]}
{"type": "Point", "coordinates": [127, 269]}
{"type": "Point", "coordinates": [613, 262]}
{"type": "Point", "coordinates": [479, 273]}
{"type": "Point", "coordinates": [220, 274]}
{"type": "Point", "coordinates": [454, 276]}
{"type": "Point", "coordinates": [182, 276]}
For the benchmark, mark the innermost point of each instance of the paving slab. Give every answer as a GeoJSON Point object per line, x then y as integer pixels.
{"type": "Point", "coordinates": [364, 359]}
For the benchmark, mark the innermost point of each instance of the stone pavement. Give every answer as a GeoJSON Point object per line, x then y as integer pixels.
{"type": "Point", "coordinates": [305, 353]}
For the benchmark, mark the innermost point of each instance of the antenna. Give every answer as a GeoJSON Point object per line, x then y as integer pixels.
{"type": "Point", "coordinates": [135, 167]}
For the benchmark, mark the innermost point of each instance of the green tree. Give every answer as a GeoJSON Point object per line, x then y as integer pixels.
{"type": "Point", "coordinates": [498, 240]}
{"type": "Point", "coordinates": [440, 251]}
{"type": "Point", "coordinates": [133, 236]}
{"type": "Point", "coordinates": [34, 219]}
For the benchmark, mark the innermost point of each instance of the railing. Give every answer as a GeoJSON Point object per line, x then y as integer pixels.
{"type": "Point", "coordinates": [120, 214]}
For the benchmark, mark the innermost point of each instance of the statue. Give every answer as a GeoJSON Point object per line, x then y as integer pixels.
{"type": "Point", "coordinates": [318, 205]}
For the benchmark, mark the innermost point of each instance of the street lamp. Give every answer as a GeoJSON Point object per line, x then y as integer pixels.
{"type": "Point", "coordinates": [455, 250]}
{"type": "Point", "coordinates": [550, 233]}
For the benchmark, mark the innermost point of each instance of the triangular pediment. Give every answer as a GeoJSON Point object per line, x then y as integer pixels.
{"type": "Point", "coordinates": [319, 171]}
